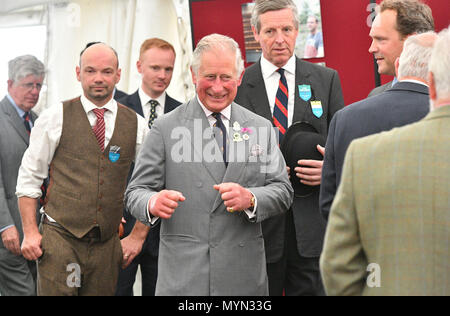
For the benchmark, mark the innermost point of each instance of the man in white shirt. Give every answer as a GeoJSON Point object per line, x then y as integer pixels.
{"type": "Point", "coordinates": [155, 64]}
{"type": "Point", "coordinates": [88, 144]}
{"type": "Point", "coordinates": [286, 90]}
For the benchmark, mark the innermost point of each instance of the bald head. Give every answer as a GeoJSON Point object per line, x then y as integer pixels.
{"type": "Point", "coordinates": [98, 73]}
{"type": "Point", "coordinates": [96, 46]}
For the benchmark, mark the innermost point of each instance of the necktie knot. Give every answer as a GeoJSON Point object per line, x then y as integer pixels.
{"type": "Point", "coordinates": [280, 71]}
{"type": "Point", "coordinates": [100, 113]}
{"type": "Point", "coordinates": [26, 116]}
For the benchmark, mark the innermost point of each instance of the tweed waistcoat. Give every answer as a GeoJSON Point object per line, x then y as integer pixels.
{"type": "Point", "coordinates": [86, 187]}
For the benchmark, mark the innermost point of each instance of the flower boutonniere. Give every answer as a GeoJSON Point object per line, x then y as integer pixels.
{"type": "Point", "coordinates": [240, 134]}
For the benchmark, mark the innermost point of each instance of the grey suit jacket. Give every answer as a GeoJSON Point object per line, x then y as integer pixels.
{"type": "Point", "coordinates": [13, 143]}
{"type": "Point", "coordinates": [205, 250]}
{"type": "Point", "coordinates": [326, 87]}
{"type": "Point", "coordinates": [405, 103]}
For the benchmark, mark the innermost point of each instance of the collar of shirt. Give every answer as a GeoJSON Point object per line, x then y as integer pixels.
{"type": "Point", "coordinates": [225, 115]}
{"type": "Point", "coordinates": [20, 112]}
{"type": "Point", "coordinates": [413, 81]}
{"type": "Point", "coordinates": [88, 106]}
{"type": "Point", "coordinates": [145, 98]}
{"type": "Point", "coordinates": [268, 69]}
{"type": "Point", "coordinates": [271, 81]}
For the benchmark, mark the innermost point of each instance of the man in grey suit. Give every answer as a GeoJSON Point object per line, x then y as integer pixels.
{"type": "Point", "coordinates": [211, 171]}
{"type": "Point", "coordinates": [397, 20]}
{"type": "Point", "coordinates": [26, 74]}
{"type": "Point", "coordinates": [293, 242]}
{"type": "Point", "coordinates": [405, 103]}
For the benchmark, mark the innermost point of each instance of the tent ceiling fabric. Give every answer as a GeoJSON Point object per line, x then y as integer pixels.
{"type": "Point", "coordinates": [10, 6]}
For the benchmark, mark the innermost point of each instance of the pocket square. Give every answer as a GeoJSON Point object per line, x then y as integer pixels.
{"type": "Point", "coordinates": [256, 150]}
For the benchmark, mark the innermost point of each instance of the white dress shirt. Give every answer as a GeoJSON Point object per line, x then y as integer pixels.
{"type": "Point", "coordinates": [145, 99]}
{"type": "Point", "coordinates": [271, 80]}
{"type": "Point", "coordinates": [44, 141]}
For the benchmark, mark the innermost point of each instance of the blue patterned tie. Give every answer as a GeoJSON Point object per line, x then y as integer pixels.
{"type": "Point", "coordinates": [280, 111]}
{"type": "Point", "coordinates": [222, 138]}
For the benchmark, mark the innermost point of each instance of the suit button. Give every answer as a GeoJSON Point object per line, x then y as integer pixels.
{"type": "Point", "coordinates": [241, 244]}
{"type": "Point", "coordinates": [199, 184]}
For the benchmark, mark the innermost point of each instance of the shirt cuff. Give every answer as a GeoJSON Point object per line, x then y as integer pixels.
{"type": "Point", "coordinates": [5, 228]}
{"type": "Point", "coordinates": [252, 213]}
{"type": "Point", "coordinates": [150, 218]}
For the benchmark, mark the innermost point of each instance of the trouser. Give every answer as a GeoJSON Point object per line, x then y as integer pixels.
{"type": "Point", "coordinates": [74, 266]}
{"type": "Point", "coordinates": [149, 273]}
{"type": "Point", "coordinates": [293, 274]}
{"type": "Point", "coordinates": [15, 276]}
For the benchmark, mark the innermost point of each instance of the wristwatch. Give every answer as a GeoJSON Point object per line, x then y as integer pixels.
{"type": "Point", "coordinates": [252, 202]}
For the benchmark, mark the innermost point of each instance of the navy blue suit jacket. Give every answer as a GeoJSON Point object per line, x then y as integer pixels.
{"type": "Point", "coordinates": [404, 103]}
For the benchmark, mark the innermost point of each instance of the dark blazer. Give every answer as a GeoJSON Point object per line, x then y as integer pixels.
{"type": "Point", "coordinates": [403, 104]}
{"type": "Point", "coordinates": [380, 89]}
{"type": "Point", "coordinates": [326, 87]}
{"type": "Point", "coordinates": [134, 102]}
{"type": "Point", "coordinates": [118, 94]}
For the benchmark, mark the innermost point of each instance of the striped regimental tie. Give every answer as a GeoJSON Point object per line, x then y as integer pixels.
{"type": "Point", "coordinates": [280, 111]}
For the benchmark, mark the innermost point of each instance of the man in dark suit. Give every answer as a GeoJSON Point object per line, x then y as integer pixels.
{"type": "Point", "coordinates": [156, 62]}
{"type": "Point", "coordinates": [311, 93]}
{"type": "Point", "coordinates": [403, 104]}
{"type": "Point", "coordinates": [26, 75]}
{"type": "Point", "coordinates": [397, 20]}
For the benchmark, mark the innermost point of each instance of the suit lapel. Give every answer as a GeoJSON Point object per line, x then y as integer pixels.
{"type": "Point", "coordinates": [302, 77]}
{"type": "Point", "coordinates": [238, 150]}
{"type": "Point", "coordinates": [257, 92]}
{"type": "Point", "coordinates": [13, 118]}
{"type": "Point", "coordinates": [198, 124]}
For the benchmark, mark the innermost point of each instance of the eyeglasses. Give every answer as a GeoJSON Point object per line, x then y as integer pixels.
{"type": "Point", "coordinates": [31, 86]}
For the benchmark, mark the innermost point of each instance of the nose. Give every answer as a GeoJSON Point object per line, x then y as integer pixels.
{"type": "Point", "coordinates": [373, 47]}
{"type": "Point", "coordinates": [279, 38]}
{"type": "Point", "coordinates": [217, 85]}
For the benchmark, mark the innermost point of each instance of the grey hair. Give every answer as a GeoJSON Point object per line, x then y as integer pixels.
{"type": "Point", "coordinates": [23, 66]}
{"type": "Point", "coordinates": [263, 6]}
{"type": "Point", "coordinates": [439, 64]}
{"type": "Point", "coordinates": [217, 41]}
{"type": "Point", "coordinates": [416, 55]}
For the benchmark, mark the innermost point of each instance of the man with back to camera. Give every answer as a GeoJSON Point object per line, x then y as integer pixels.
{"type": "Point", "coordinates": [285, 90]}
{"type": "Point", "coordinates": [397, 20]}
{"type": "Point", "coordinates": [155, 64]}
{"type": "Point", "coordinates": [26, 75]}
{"type": "Point", "coordinates": [388, 229]}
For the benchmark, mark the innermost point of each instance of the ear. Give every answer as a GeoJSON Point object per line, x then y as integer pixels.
{"type": "Point", "coordinates": [255, 34]}
{"type": "Point", "coordinates": [432, 86]}
{"type": "Point", "coordinates": [118, 74]}
{"type": "Point", "coordinates": [78, 72]}
{"type": "Point", "coordinates": [240, 79]}
{"type": "Point", "coordinates": [194, 76]}
{"type": "Point", "coordinates": [139, 66]}
{"type": "Point", "coordinates": [397, 65]}
{"type": "Point", "coordinates": [10, 83]}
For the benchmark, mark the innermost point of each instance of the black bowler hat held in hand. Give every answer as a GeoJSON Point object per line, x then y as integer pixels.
{"type": "Point", "coordinates": [300, 142]}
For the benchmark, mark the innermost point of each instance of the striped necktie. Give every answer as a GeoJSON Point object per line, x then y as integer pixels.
{"type": "Point", "coordinates": [26, 121]}
{"type": "Point", "coordinates": [280, 111]}
{"type": "Point", "coordinates": [99, 127]}
{"type": "Point", "coordinates": [153, 115]}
